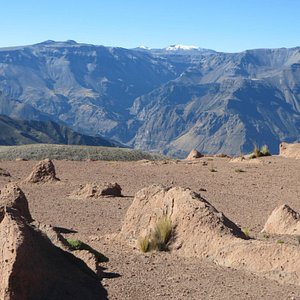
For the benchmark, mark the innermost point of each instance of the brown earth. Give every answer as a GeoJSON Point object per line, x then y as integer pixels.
{"type": "Point", "coordinates": [245, 192]}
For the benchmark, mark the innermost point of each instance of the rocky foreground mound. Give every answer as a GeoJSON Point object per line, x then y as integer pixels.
{"type": "Point", "coordinates": [201, 231]}
{"type": "Point", "coordinates": [283, 220]}
{"type": "Point", "coordinates": [31, 267]}
{"type": "Point", "coordinates": [289, 150]}
{"type": "Point", "coordinates": [43, 172]}
{"type": "Point", "coordinates": [93, 190]}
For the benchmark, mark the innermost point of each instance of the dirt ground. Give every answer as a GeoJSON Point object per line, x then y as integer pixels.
{"type": "Point", "coordinates": [246, 192]}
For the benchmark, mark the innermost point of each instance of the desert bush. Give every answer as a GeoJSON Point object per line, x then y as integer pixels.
{"type": "Point", "coordinates": [280, 242]}
{"type": "Point", "coordinates": [256, 151]}
{"type": "Point", "coordinates": [239, 170]}
{"type": "Point", "coordinates": [265, 150]}
{"type": "Point", "coordinates": [79, 245]}
{"type": "Point", "coordinates": [144, 244]}
{"type": "Point", "coordinates": [246, 232]}
{"type": "Point", "coordinates": [162, 233]}
{"type": "Point", "coordinates": [159, 239]}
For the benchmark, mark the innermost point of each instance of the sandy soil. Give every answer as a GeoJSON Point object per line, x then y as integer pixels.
{"type": "Point", "coordinates": [247, 198]}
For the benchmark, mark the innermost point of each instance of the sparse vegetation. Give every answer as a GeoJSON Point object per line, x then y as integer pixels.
{"type": "Point", "coordinates": [144, 244]}
{"type": "Point", "coordinates": [70, 152]}
{"type": "Point", "coordinates": [265, 150]}
{"type": "Point", "coordinates": [266, 236]}
{"type": "Point", "coordinates": [160, 237]}
{"type": "Point", "coordinates": [79, 245]}
{"type": "Point", "coordinates": [298, 239]}
{"type": "Point", "coordinates": [162, 233]}
{"type": "Point", "coordinates": [246, 232]}
{"type": "Point", "coordinates": [256, 152]}
{"type": "Point", "coordinates": [280, 242]}
{"type": "Point", "coordinates": [212, 169]}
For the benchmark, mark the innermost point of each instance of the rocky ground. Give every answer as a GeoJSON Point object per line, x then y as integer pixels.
{"type": "Point", "coordinates": [246, 192]}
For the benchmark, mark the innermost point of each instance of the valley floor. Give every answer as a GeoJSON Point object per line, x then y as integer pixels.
{"type": "Point", "coordinates": [246, 192]}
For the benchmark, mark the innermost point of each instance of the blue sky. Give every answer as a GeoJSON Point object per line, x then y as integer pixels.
{"type": "Point", "coordinates": [223, 25]}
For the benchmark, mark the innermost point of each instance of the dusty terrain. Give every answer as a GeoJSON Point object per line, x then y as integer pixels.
{"type": "Point", "coordinates": [246, 192]}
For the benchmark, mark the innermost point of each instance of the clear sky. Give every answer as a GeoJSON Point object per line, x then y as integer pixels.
{"type": "Point", "coordinates": [223, 25]}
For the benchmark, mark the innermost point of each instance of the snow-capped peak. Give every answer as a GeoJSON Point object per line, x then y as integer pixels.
{"type": "Point", "coordinates": [181, 47]}
{"type": "Point", "coordinates": [144, 47]}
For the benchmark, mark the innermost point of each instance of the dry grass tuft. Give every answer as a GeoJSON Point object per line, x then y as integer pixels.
{"type": "Point", "coordinates": [144, 244]}
{"type": "Point", "coordinates": [160, 237]}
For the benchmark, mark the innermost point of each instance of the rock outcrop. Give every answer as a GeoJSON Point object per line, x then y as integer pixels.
{"type": "Point", "coordinates": [32, 267]}
{"type": "Point", "coordinates": [201, 231]}
{"type": "Point", "coordinates": [194, 154]}
{"type": "Point", "coordinates": [12, 197]}
{"type": "Point", "coordinates": [93, 190]}
{"type": "Point", "coordinates": [289, 150]}
{"type": "Point", "coordinates": [283, 220]}
{"type": "Point", "coordinates": [43, 172]}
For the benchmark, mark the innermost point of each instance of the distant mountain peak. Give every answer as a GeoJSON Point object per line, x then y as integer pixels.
{"type": "Point", "coordinates": [181, 47]}
{"type": "Point", "coordinates": [144, 47]}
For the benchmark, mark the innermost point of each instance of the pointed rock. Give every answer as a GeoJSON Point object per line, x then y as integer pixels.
{"type": "Point", "coordinates": [11, 196]}
{"type": "Point", "coordinates": [93, 190]}
{"type": "Point", "coordinates": [189, 212]}
{"type": "Point", "coordinates": [199, 230]}
{"type": "Point", "coordinates": [283, 220]}
{"type": "Point", "coordinates": [44, 171]}
{"type": "Point", "coordinates": [31, 267]}
{"type": "Point", "coordinates": [194, 154]}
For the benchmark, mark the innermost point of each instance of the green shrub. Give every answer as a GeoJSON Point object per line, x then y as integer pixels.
{"type": "Point", "coordinates": [280, 242]}
{"type": "Point", "coordinates": [79, 245]}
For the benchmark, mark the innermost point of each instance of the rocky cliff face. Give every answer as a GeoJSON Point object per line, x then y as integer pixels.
{"type": "Point", "coordinates": [170, 101]}
{"type": "Point", "coordinates": [227, 103]}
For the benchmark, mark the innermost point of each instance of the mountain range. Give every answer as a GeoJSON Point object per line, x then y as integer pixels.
{"type": "Point", "coordinates": [21, 132]}
{"type": "Point", "coordinates": [168, 100]}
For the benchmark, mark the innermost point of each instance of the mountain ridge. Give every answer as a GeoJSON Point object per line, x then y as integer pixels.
{"type": "Point", "coordinates": [157, 100]}
{"type": "Point", "coordinates": [21, 132]}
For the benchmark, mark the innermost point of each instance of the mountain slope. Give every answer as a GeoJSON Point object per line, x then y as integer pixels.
{"type": "Point", "coordinates": [228, 103]}
{"type": "Point", "coordinates": [170, 100]}
{"type": "Point", "coordinates": [89, 88]}
{"type": "Point", "coordinates": [19, 132]}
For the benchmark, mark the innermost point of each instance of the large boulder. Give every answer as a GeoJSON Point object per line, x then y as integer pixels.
{"type": "Point", "coordinates": [199, 226]}
{"type": "Point", "coordinates": [43, 172]}
{"type": "Point", "coordinates": [194, 154]}
{"type": "Point", "coordinates": [289, 150]}
{"type": "Point", "coordinates": [11, 196]}
{"type": "Point", "coordinates": [94, 191]}
{"type": "Point", "coordinates": [201, 231]}
{"type": "Point", "coordinates": [283, 220]}
{"type": "Point", "coordinates": [32, 268]}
